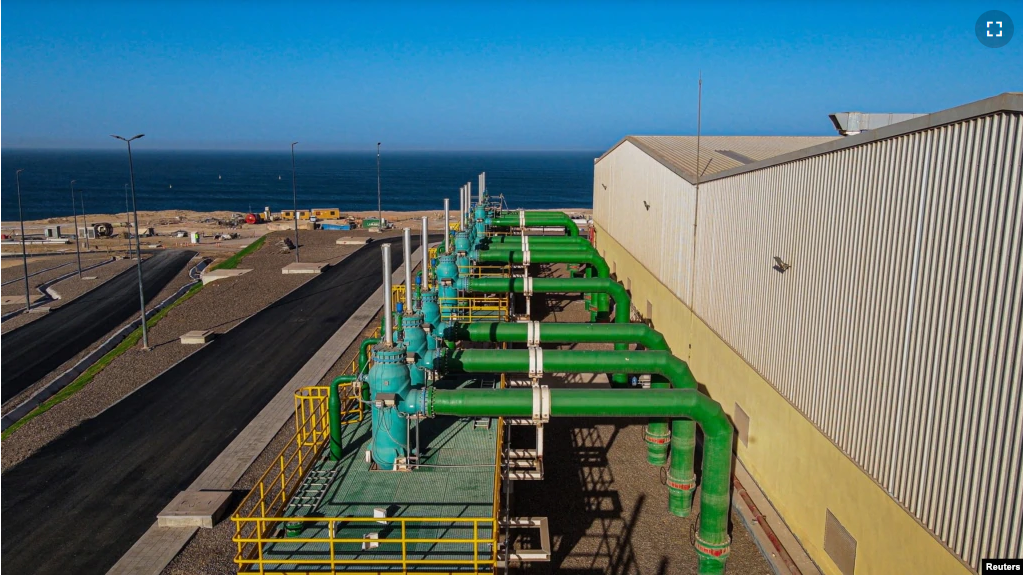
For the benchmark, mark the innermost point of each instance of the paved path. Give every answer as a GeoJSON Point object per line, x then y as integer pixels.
{"type": "Point", "coordinates": [83, 500]}
{"type": "Point", "coordinates": [32, 351]}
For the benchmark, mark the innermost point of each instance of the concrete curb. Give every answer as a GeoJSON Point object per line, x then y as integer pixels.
{"type": "Point", "coordinates": [44, 288]}
{"type": "Point", "coordinates": [47, 288]}
{"type": "Point", "coordinates": [66, 378]}
{"type": "Point", "coordinates": [8, 282]}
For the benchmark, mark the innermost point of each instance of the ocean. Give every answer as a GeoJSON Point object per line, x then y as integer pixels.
{"type": "Point", "coordinates": [248, 181]}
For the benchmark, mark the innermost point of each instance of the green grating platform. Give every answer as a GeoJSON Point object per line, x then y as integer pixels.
{"type": "Point", "coordinates": [455, 480]}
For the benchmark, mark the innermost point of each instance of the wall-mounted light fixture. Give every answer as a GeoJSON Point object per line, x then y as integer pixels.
{"type": "Point", "coordinates": [780, 266]}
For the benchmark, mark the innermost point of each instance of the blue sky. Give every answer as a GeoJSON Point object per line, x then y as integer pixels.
{"type": "Point", "coordinates": [478, 75]}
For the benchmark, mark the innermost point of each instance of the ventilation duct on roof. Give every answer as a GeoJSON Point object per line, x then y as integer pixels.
{"type": "Point", "coordinates": [852, 123]}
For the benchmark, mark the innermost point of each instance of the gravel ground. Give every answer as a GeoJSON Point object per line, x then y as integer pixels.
{"type": "Point", "coordinates": [179, 280]}
{"type": "Point", "coordinates": [211, 550]}
{"type": "Point", "coordinates": [219, 306]}
{"type": "Point", "coordinates": [628, 530]}
{"type": "Point", "coordinates": [64, 288]}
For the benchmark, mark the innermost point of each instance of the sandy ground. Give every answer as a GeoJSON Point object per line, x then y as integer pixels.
{"type": "Point", "coordinates": [167, 222]}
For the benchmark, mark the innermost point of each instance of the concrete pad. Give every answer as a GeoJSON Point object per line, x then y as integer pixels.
{"type": "Point", "coordinates": [197, 337]}
{"type": "Point", "coordinates": [214, 275]}
{"type": "Point", "coordinates": [304, 268]}
{"type": "Point", "coordinates": [352, 241]}
{"type": "Point", "coordinates": [194, 509]}
{"type": "Point", "coordinates": [18, 299]}
{"type": "Point", "coordinates": [40, 309]}
{"type": "Point", "coordinates": [88, 278]}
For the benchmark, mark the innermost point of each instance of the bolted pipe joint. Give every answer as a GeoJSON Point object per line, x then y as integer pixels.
{"type": "Point", "coordinates": [657, 443]}
{"type": "Point", "coordinates": [681, 478]}
{"type": "Point", "coordinates": [712, 556]}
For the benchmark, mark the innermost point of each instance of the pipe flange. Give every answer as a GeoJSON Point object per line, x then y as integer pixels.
{"type": "Point", "coordinates": [428, 401]}
{"type": "Point", "coordinates": [527, 286]}
{"type": "Point", "coordinates": [525, 257]}
{"type": "Point", "coordinates": [657, 438]}
{"type": "Point", "coordinates": [713, 550]}
{"type": "Point", "coordinates": [684, 485]}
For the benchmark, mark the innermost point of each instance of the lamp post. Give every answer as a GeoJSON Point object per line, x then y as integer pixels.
{"type": "Point", "coordinates": [127, 220]}
{"type": "Point", "coordinates": [74, 214]}
{"type": "Point", "coordinates": [24, 254]}
{"type": "Point", "coordinates": [138, 245]}
{"type": "Point", "coordinates": [294, 197]}
{"type": "Point", "coordinates": [85, 221]}
{"type": "Point", "coordinates": [380, 216]}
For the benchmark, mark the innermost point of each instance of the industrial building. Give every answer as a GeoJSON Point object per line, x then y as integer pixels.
{"type": "Point", "coordinates": [854, 304]}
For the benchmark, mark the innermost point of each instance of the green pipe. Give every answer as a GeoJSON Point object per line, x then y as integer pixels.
{"type": "Point", "coordinates": [712, 540]}
{"type": "Point", "coordinates": [334, 417]}
{"type": "Point", "coordinates": [661, 363]}
{"type": "Point", "coordinates": [539, 240]}
{"type": "Point", "coordinates": [542, 219]}
{"type": "Point", "coordinates": [565, 285]}
{"type": "Point", "coordinates": [516, 332]}
{"type": "Point", "coordinates": [657, 432]}
{"type": "Point", "coordinates": [588, 257]}
{"type": "Point", "coordinates": [364, 351]}
{"type": "Point", "coordinates": [559, 285]}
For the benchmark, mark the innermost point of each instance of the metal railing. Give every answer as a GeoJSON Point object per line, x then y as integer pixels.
{"type": "Point", "coordinates": [489, 270]}
{"type": "Point", "coordinates": [260, 520]}
{"type": "Point", "coordinates": [469, 309]}
{"type": "Point", "coordinates": [269, 498]}
{"type": "Point", "coordinates": [475, 548]}
{"type": "Point", "coordinates": [397, 296]}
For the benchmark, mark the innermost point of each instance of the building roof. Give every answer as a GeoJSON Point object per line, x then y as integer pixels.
{"type": "Point", "coordinates": [719, 153]}
{"type": "Point", "coordinates": [725, 156]}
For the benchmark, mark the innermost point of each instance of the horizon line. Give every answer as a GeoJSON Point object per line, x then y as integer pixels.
{"type": "Point", "coordinates": [285, 149]}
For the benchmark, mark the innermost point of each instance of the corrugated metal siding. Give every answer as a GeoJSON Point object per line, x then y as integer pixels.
{"type": "Point", "coordinates": [897, 328]}
{"type": "Point", "coordinates": [659, 236]}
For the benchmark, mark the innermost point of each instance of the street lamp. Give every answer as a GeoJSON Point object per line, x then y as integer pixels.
{"type": "Point", "coordinates": [127, 220]}
{"type": "Point", "coordinates": [85, 221]}
{"type": "Point", "coordinates": [294, 198]}
{"type": "Point", "coordinates": [138, 245]}
{"type": "Point", "coordinates": [380, 217]}
{"type": "Point", "coordinates": [24, 254]}
{"type": "Point", "coordinates": [74, 213]}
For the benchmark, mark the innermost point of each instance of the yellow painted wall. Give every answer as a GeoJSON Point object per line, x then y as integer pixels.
{"type": "Point", "coordinates": [799, 469]}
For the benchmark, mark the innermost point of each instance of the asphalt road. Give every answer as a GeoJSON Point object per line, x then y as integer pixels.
{"type": "Point", "coordinates": [79, 503]}
{"type": "Point", "coordinates": [34, 350]}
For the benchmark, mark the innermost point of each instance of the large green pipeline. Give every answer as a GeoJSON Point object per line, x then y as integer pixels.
{"type": "Point", "coordinates": [681, 478]}
{"type": "Point", "coordinates": [517, 332]}
{"type": "Point", "coordinates": [541, 219]}
{"type": "Point", "coordinates": [558, 285]}
{"type": "Point", "coordinates": [588, 257]}
{"type": "Point", "coordinates": [712, 540]}
{"type": "Point", "coordinates": [623, 303]}
{"type": "Point", "coordinates": [545, 241]}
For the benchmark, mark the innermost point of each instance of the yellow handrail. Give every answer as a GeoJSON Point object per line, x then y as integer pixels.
{"type": "Point", "coordinates": [261, 514]}
{"type": "Point", "coordinates": [468, 309]}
